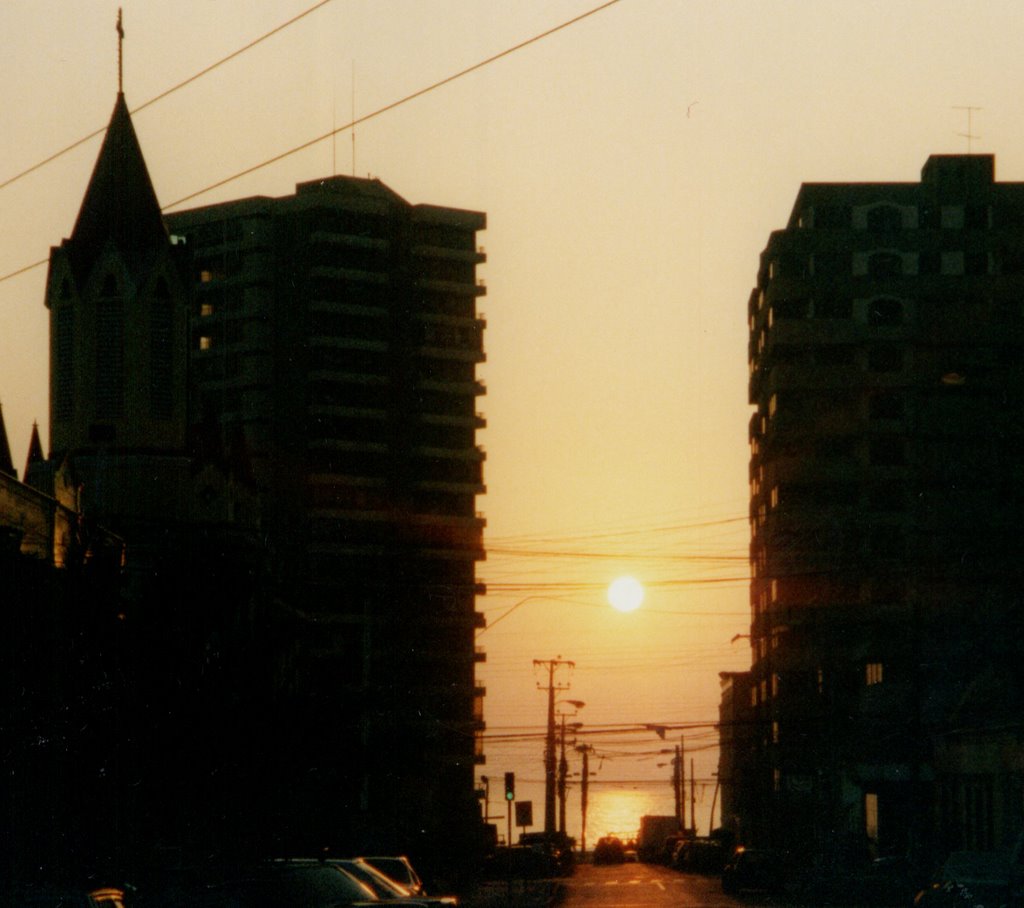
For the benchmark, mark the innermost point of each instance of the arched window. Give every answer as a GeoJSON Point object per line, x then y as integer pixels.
{"type": "Point", "coordinates": [161, 354]}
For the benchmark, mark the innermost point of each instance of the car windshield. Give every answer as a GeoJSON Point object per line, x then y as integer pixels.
{"type": "Point", "coordinates": [395, 868]}
{"type": "Point", "coordinates": [381, 884]}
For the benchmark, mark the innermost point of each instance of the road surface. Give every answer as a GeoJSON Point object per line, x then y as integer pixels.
{"type": "Point", "coordinates": [644, 886]}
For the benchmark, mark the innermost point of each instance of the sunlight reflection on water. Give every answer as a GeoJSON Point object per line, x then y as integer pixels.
{"type": "Point", "coordinates": [617, 811]}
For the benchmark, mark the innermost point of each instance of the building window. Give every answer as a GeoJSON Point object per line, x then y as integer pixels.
{"type": "Point", "coordinates": [976, 217]}
{"type": "Point", "coordinates": [832, 307]}
{"type": "Point", "coordinates": [161, 342]}
{"type": "Point", "coordinates": [885, 359]}
{"type": "Point", "coordinates": [953, 262]}
{"type": "Point", "coordinates": [885, 312]}
{"type": "Point", "coordinates": [109, 358]}
{"type": "Point", "coordinates": [929, 262]}
{"type": "Point", "coordinates": [952, 217]}
{"type": "Point", "coordinates": [821, 680]}
{"type": "Point", "coordinates": [777, 779]}
{"type": "Point", "coordinates": [873, 673]}
{"type": "Point", "coordinates": [63, 402]}
{"type": "Point", "coordinates": [775, 732]}
{"type": "Point", "coordinates": [791, 308]}
{"type": "Point", "coordinates": [886, 406]}
{"type": "Point", "coordinates": [871, 816]}
{"type": "Point", "coordinates": [832, 217]}
{"type": "Point", "coordinates": [887, 451]}
{"type": "Point", "coordinates": [885, 264]}
{"type": "Point", "coordinates": [976, 263]}
{"type": "Point", "coordinates": [205, 342]}
{"type": "Point", "coordinates": [884, 218]}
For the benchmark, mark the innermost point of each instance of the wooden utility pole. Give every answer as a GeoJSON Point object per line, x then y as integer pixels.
{"type": "Point", "coordinates": [552, 665]}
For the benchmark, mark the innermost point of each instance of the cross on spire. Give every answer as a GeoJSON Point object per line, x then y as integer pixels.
{"type": "Point", "coordinates": [120, 53]}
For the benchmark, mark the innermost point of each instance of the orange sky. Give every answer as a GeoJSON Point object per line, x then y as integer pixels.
{"type": "Point", "coordinates": [631, 167]}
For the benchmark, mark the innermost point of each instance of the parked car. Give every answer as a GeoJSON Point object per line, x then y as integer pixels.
{"type": "Point", "coordinates": [274, 884]}
{"type": "Point", "coordinates": [399, 869]}
{"type": "Point", "coordinates": [521, 862]}
{"type": "Point", "coordinates": [556, 846]}
{"type": "Point", "coordinates": [699, 855]}
{"type": "Point", "coordinates": [754, 869]}
{"type": "Point", "coordinates": [52, 897]}
{"type": "Point", "coordinates": [385, 888]}
{"type": "Point", "coordinates": [970, 878]}
{"type": "Point", "coordinates": [609, 850]}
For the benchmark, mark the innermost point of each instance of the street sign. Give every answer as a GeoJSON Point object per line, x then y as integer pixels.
{"type": "Point", "coordinates": [524, 813]}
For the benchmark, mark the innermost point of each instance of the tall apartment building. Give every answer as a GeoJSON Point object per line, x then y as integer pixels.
{"type": "Point", "coordinates": [886, 487]}
{"type": "Point", "coordinates": [334, 342]}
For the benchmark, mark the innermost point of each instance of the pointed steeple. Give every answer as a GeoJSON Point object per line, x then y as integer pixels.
{"type": "Point", "coordinates": [35, 450]}
{"type": "Point", "coordinates": [6, 464]}
{"type": "Point", "coordinates": [120, 204]}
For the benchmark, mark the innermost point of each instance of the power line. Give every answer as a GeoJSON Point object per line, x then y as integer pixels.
{"type": "Point", "coordinates": [389, 107]}
{"type": "Point", "coordinates": [355, 122]}
{"type": "Point", "coordinates": [159, 97]}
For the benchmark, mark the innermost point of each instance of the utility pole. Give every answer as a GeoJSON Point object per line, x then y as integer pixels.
{"type": "Point", "coordinates": [584, 749]}
{"type": "Point", "coordinates": [552, 665]}
{"type": "Point", "coordinates": [677, 764]}
{"type": "Point", "coordinates": [563, 772]}
{"type": "Point", "coordinates": [693, 798]}
{"type": "Point", "coordinates": [682, 782]}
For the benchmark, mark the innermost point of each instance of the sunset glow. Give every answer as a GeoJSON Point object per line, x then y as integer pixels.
{"type": "Point", "coordinates": [626, 594]}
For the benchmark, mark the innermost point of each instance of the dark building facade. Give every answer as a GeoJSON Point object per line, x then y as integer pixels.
{"type": "Point", "coordinates": [336, 333]}
{"type": "Point", "coordinates": [269, 407]}
{"type": "Point", "coordinates": [887, 376]}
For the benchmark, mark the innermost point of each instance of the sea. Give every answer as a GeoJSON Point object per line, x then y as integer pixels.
{"type": "Point", "coordinates": [612, 808]}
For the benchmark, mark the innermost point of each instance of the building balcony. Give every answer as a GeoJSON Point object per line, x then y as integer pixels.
{"type": "Point", "coordinates": [461, 288]}
{"type": "Point", "coordinates": [476, 256]}
{"type": "Point", "coordinates": [476, 421]}
{"type": "Point", "coordinates": [779, 378]}
{"type": "Point", "coordinates": [354, 275]}
{"type": "Point", "coordinates": [353, 241]}
{"type": "Point", "coordinates": [460, 354]}
{"type": "Point", "coordinates": [475, 453]}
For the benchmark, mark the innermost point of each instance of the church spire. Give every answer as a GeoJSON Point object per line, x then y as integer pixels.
{"type": "Point", "coordinates": [120, 204]}
{"type": "Point", "coordinates": [35, 450]}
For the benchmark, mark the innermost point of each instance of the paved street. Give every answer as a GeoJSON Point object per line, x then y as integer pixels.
{"type": "Point", "coordinates": [643, 886]}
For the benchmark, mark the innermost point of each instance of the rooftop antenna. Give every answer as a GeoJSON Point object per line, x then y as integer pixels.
{"type": "Point", "coordinates": [969, 135]}
{"type": "Point", "coordinates": [120, 53]}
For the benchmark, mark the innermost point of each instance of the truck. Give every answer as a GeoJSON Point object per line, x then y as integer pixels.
{"type": "Point", "coordinates": [654, 831]}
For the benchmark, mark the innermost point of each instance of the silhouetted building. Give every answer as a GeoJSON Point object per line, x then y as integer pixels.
{"type": "Point", "coordinates": [737, 769]}
{"type": "Point", "coordinates": [335, 334]}
{"type": "Point", "coordinates": [273, 403]}
{"type": "Point", "coordinates": [887, 372]}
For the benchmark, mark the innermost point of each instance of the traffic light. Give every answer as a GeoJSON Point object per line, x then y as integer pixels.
{"type": "Point", "coordinates": [510, 786]}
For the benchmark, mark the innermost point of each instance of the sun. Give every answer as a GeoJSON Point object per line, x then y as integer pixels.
{"type": "Point", "coordinates": [626, 594]}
